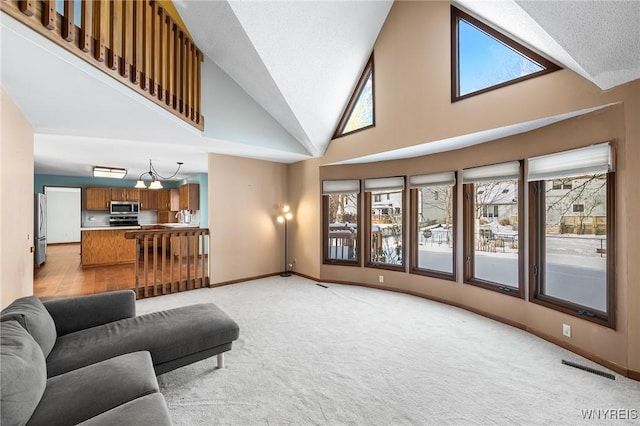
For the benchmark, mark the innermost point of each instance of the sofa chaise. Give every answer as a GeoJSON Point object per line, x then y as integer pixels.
{"type": "Point", "coordinates": [90, 360]}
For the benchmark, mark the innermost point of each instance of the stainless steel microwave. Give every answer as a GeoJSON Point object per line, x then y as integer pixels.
{"type": "Point", "coordinates": [124, 207]}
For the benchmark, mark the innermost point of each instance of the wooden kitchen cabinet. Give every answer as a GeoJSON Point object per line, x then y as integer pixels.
{"type": "Point", "coordinates": [97, 198]}
{"type": "Point", "coordinates": [190, 197]}
{"type": "Point", "coordinates": [169, 199]}
{"type": "Point", "coordinates": [107, 247]}
{"type": "Point", "coordinates": [166, 216]}
{"type": "Point", "coordinates": [125, 194]}
{"type": "Point", "coordinates": [149, 199]}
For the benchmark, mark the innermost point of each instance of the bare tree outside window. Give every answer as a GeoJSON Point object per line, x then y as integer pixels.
{"type": "Point", "coordinates": [575, 256]}
{"type": "Point", "coordinates": [387, 228]}
{"type": "Point", "coordinates": [342, 227]}
{"type": "Point", "coordinates": [435, 228]}
{"type": "Point", "coordinates": [496, 245]}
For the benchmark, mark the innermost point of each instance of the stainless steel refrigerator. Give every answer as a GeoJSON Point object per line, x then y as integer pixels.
{"type": "Point", "coordinates": [40, 228]}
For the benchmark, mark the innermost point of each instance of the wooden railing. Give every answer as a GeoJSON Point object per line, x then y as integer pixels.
{"type": "Point", "coordinates": [170, 260]}
{"type": "Point", "coordinates": [134, 41]}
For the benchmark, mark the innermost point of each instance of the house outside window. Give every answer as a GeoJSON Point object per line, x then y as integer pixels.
{"type": "Point", "coordinates": [433, 204]}
{"type": "Point", "coordinates": [492, 232]}
{"type": "Point", "coordinates": [341, 215]}
{"type": "Point", "coordinates": [385, 223]}
{"type": "Point", "coordinates": [572, 241]}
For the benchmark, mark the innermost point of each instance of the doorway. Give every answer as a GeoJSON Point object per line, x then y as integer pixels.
{"type": "Point", "coordinates": [64, 211]}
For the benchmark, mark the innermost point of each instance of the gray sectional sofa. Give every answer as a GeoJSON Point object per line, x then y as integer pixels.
{"type": "Point", "coordinates": [90, 360]}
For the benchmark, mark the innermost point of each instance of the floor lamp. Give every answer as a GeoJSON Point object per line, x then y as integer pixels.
{"type": "Point", "coordinates": [285, 217]}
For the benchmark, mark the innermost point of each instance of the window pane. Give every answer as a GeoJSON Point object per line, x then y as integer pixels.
{"type": "Point", "coordinates": [362, 113]}
{"type": "Point", "coordinates": [485, 61]}
{"type": "Point", "coordinates": [496, 232]}
{"type": "Point", "coordinates": [342, 243]}
{"type": "Point", "coordinates": [435, 228]}
{"type": "Point", "coordinates": [386, 228]}
{"type": "Point", "coordinates": [576, 240]}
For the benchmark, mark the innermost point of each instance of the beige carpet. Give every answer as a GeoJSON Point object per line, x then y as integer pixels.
{"type": "Point", "coordinates": [348, 355]}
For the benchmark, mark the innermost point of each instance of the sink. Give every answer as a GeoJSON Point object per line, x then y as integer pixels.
{"type": "Point", "coordinates": [179, 225]}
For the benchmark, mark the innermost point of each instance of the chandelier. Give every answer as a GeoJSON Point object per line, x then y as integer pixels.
{"type": "Point", "coordinates": [155, 177]}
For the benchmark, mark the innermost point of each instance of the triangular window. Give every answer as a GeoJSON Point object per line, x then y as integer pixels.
{"type": "Point", "coordinates": [359, 113]}
{"type": "Point", "coordinates": [483, 59]}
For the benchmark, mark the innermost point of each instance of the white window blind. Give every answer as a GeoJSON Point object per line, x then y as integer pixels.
{"type": "Point", "coordinates": [433, 179]}
{"type": "Point", "coordinates": [330, 187]}
{"type": "Point", "coordinates": [384, 184]}
{"type": "Point", "coordinates": [594, 159]}
{"type": "Point", "coordinates": [502, 171]}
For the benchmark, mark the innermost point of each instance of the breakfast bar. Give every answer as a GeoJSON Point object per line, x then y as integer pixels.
{"type": "Point", "coordinates": [107, 245]}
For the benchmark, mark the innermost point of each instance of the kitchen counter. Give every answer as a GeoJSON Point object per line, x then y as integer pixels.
{"type": "Point", "coordinates": [142, 225]}
{"type": "Point", "coordinates": [108, 228]}
{"type": "Point", "coordinates": [107, 245]}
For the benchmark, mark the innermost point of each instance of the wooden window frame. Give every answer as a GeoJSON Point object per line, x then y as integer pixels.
{"type": "Point", "coordinates": [537, 257]}
{"type": "Point", "coordinates": [367, 243]}
{"type": "Point", "coordinates": [469, 242]}
{"type": "Point", "coordinates": [325, 234]}
{"type": "Point", "coordinates": [368, 69]}
{"type": "Point", "coordinates": [456, 16]}
{"type": "Point", "coordinates": [413, 229]}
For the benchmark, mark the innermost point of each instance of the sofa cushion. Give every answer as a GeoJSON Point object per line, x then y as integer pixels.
{"type": "Point", "coordinates": [147, 410]}
{"type": "Point", "coordinates": [34, 317]}
{"type": "Point", "coordinates": [168, 335]}
{"type": "Point", "coordinates": [23, 372]}
{"type": "Point", "coordinates": [89, 391]}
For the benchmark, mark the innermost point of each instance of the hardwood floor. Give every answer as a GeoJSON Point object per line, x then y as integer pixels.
{"type": "Point", "coordinates": [62, 275]}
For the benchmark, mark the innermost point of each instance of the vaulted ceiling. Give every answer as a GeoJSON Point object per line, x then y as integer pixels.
{"type": "Point", "coordinates": [290, 65]}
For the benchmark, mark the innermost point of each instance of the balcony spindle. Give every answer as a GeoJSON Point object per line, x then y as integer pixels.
{"type": "Point", "coordinates": [68, 28]}
{"type": "Point", "coordinates": [134, 41]}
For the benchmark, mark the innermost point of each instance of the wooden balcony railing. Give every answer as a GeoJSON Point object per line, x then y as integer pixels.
{"type": "Point", "coordinates": [134, 41]}
{"type": "Point", "coordinates": [170, 260]}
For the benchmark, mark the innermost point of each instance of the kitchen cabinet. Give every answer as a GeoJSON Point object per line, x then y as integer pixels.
{"type": "Point", "coordinates": [190, 197]}
{"type": "Point", "coordinates": [169, 199]}
{"type": "Point", "coordinates": [107, 247]}
{"type": "Point", "coordinates": [149, 199]}
{"type": "Point", "coordinates": [165, 216]}
{"type": "Point", "coordinates": [125, 194]}
{"type": "Point", "coordinates": [97, 198]}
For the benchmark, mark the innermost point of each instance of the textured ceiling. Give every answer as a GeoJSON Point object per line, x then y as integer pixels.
{"type": "Point", "coordinates": [600, 40]}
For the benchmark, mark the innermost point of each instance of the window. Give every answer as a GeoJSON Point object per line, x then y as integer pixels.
{"type": "Point", "coordinates": [492, 231]}
{"type": "Point", "coordinates": [489, 211]}
{"type": "Point", "coordinates": [572, 241]}
{"type": "Point", "coordinates": [385, 223]}
{"type": "Point", "coordinates": [433, 201]}
{"type": "Point", "coordinates": [340, 218]}
{"type": "Point", "coordinates": [562, 184]}
{"type": "Point", "coordinates": [360, 111]}
{"type": "Point", "coordinates": [483, 59]}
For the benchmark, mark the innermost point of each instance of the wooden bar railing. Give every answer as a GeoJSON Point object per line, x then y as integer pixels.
{"type": "Point", "coordinates": [170, 260]}
{"type": "Point", "coordinates": [135, 41]}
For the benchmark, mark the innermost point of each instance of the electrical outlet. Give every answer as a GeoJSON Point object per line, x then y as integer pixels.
{"type": "Point", "coordinates": [566, 330]}
{"type": "Point", "coordinates": [381, 278]}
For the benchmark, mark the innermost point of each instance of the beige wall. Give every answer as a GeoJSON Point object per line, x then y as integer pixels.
{"type": "Point", "coordinates": [412, 81]}
{"type": "Point", "coordinates": [16, 202]}
{"type": "Point", "coordinates": [244, 196]}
